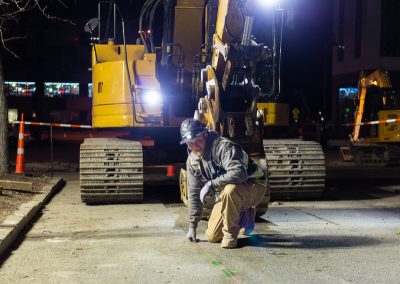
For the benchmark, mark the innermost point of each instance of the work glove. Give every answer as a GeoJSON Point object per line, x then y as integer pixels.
{"type": "Point", "coordinates": [191, 235]}
{"type": "Point", "coordinates": [207, 189]}
{"type": "Point", "coordinates": [207, 195]}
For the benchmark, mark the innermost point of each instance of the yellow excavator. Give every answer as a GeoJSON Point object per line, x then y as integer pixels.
{"type": "Point", "coordinates": [205, 67]}
{"type": "Point", "coordinates": [375, 139]}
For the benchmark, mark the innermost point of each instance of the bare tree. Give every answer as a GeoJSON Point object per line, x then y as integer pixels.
{"type": "Point", "coordinates": [3, 124]}
{"type": "Point", "coordinates": [10, 12]}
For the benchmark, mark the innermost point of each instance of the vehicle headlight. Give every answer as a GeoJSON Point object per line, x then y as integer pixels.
{"type": "Point", "coordinates": [152, 97]}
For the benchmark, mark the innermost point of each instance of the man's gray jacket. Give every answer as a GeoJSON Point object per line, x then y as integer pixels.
{"type": "Point", "coordinates": [228, 157]}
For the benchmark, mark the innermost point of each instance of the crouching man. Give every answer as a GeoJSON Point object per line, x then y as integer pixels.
{"type": "Point", "coordinates": [223, 178]}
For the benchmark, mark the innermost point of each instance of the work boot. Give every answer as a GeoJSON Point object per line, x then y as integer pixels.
{"type": "Point", "coordinates": [229, 242]}
{"type": "Point", "coordinates": [246, 221]}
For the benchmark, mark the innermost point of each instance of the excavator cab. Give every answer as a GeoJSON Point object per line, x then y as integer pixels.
{"type": "Point", "coordinates": [381, 104]}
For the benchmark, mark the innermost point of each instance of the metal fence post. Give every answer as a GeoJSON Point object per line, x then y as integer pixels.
{"type": "Point", "coordinates": [51, 149]}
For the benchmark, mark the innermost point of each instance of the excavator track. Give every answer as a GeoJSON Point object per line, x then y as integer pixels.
{"type": "Point", "coordinates": [111, 171]}
{"type": "Point", "coordinates": [296, 168]}
{"type": "Point", "coordinates": [376, 155]}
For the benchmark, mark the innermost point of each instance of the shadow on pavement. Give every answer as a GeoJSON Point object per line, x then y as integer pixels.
{"type": "Point", "coordinates": [277, 241]}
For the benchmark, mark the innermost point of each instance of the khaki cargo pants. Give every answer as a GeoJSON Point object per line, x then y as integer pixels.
{"type": "Point", "coordinates": [225, 215]}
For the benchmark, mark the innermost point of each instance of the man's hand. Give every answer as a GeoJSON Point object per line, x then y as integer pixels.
{"type": "Point", "coordinates": [207, 188]}
{"type": "Point", "coordinates": [191, 235]}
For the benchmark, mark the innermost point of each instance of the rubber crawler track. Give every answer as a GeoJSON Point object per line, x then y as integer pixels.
{"type": "Point", "coordinates": [296, 168]}
{"type": "Point", "coordinates": [111, 171]}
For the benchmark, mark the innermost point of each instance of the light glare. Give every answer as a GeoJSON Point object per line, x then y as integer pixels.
{"type": "Point", "coordinates": [152, 97]}
{"type": "Point", "coordinates": [268, 3]}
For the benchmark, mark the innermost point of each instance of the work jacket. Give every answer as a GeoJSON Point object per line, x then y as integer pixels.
{"type": "Point", "coordinates": [223, 162]}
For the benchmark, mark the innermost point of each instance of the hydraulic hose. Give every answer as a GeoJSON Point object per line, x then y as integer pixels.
{"type": "Point", "coordinates": [151, 21]}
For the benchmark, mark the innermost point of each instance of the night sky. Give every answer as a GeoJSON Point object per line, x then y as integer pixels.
{"type": "Point", "coordinates": [56, 50]}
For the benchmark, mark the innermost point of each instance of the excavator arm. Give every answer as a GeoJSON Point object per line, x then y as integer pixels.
{"type": "Point", "coordinates": [378, 78]}
{"type": "Point", "coordinates": [228, 104]}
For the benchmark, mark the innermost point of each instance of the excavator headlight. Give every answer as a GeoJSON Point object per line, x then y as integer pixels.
{"type": "Point", "coordinates": [152, 97]}
{"type": "Point", "coordinates": [268, 3]}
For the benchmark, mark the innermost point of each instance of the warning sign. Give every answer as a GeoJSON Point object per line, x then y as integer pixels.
{"type": "Point", "coordinates": [296, 113]}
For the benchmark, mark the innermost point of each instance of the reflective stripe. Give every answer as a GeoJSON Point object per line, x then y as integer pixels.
{"type": "Point", "coordinates": [52, 124]}
{"type": "Point", "coordinates": [20, 135]}
{"type": "Point", "coordinates": [193, 164]}
{"type": "Point", "coordinates": [20, 151]}
{"type": "Point", "coordinates": [391, 120]}
{"type": "Point", "coordinates": [36, 123]}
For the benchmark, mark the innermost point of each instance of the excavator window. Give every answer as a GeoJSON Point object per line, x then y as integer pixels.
{"type": "Point", "coordinates": [391, 99]}
{"type": "Point", "coordinates": [381, 99]}
{"type": "Point", "coordinates": [378, 99]}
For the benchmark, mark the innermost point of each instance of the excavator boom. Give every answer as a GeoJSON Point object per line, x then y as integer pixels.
{"type": "Point", "coordinates": [378, 78]}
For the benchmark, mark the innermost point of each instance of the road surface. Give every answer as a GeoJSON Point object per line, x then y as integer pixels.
{"type": "Point", "coordinates": [352, 236]}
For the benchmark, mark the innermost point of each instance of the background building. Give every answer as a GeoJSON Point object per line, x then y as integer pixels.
{"type": "Point", "coordinates": [367, 37]}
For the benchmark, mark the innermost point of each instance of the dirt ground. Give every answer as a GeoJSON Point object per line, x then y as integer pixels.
{"type": "Point", "coordinates": [38, 168]}
{"type": "Point", "coordinates": [11, 200]}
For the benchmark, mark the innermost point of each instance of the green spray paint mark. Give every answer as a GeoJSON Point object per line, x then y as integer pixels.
{"type": "Point", "coordinates": [216, 262]}
{"type": "Point", "coordinates": [228, 272]}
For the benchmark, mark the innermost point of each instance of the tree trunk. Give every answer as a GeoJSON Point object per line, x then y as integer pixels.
{"type": "Point", "coordinates": [3, 124]}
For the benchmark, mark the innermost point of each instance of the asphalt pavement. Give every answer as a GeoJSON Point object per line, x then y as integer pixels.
{"type": "Point", "coordinates": [345, 238]}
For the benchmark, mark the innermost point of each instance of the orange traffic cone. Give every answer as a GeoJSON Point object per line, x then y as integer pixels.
{"type": "Point", "coordinates": [19, 166]}
{"type": "Point", "coordinates": [170, 170]}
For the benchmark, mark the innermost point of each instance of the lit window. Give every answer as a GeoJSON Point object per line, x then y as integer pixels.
{"type": "Point", "coordinates": [19, 88]}
{"type": "Point", "coordinates": [90, 90]}
{"type": "Point", "coordinates": [347, 104]}
{"type": "Point", "coordinates": [55, 89]}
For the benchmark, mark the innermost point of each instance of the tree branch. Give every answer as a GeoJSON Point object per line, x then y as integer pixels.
{"type": "Point", "coordinates": [11, 10]}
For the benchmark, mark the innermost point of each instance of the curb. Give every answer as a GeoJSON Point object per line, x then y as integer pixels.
{"type": "Point", "coordinates": [13, 225]}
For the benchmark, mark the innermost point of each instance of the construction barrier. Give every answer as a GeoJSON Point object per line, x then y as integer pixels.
{"type": "Point", "coordinates": [19, 165]}
{"type": "Point", "coordinates": [146, 142]}
{"type": "Point", "coordinates": [53, 124]}
{"type": "Point", "coordinates": [392, 120]}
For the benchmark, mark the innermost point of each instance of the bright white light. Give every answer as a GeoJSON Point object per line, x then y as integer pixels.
{"type": "Point", "coordinates": [152, 97]}
{"type": "Point", "coordinates": [268, 3]}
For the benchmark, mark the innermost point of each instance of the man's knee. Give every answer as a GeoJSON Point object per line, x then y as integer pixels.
{"type": "Point", "coordinates": [213, 237]}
